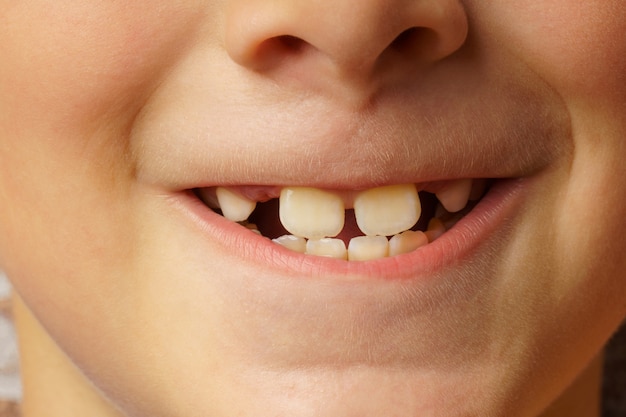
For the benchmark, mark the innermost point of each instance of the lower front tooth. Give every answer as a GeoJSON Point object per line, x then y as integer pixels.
{"type": "Point", "coordinates": [406, 242]}
{"type": "Point", "coordinates": [294, 243]}
{"type": "Point", "coordinates": [366, 248]}
{"type": "Point", "coordinates": [331, 248]}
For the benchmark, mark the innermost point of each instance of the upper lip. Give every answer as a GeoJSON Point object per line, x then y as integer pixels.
{"type": "Point", "coordinates": [333, 148]}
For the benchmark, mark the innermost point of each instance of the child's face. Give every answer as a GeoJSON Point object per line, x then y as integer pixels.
{"type": "Point", "coordinates": [112, 113]}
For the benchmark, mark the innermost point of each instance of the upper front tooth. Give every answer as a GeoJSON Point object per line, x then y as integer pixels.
{"type": "Point", "coordinates": [311, 213]}
{"type": "Point", "coordinates": [235, 207]}
{"type": "Point", "coordinates": [455, 195]}
{"type": "Point", "coordinates": [388, 210]}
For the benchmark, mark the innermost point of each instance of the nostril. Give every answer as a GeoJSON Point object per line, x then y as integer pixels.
{"type": "Point", "coordinates": [273, 50]}
{"type": "Point", "coordinates": [404, 39]}
{"type": "Point", "coordinates": [346, 37]}
{"type": "Point", "coordinates": [291, 43]}
{"type": "Point", "coordinates": [416, 42]}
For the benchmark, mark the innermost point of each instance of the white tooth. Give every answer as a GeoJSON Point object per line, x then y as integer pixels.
{"type": "Point", "coordinates": [331, 248]}
{"type": "Point", "coordinates": [311, 213]}
{"type": "Point", "coordinates": [291, 242]}
{"type": "Point", "coordinates": [435, 229]}
{"type": "Point", "coordinates": [388, 210]}
{"type": "Point", "coordinates": [406, 242]}
{"type": "Point", "coordinates": [365, 248]}
{"type": "Point", "coordinates": [454, 197]}
{"type": "Point", "coordinates": [234, 206]}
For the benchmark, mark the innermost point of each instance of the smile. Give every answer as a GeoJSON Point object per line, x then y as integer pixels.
{"type": "Point", "coordinates": [357, 235]}
{"type": "Point", "coordinates": [364, 225]}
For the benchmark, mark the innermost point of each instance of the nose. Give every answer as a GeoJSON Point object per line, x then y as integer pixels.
{"type": "Point", "coordinates": [350, 40]}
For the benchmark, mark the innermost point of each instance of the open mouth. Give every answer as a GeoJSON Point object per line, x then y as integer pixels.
{"type": "Point", "coordinates": [350, 225]}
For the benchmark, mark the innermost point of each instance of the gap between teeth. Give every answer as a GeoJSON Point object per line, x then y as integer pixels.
{"type": "Point", "coordinates": [314, 217]}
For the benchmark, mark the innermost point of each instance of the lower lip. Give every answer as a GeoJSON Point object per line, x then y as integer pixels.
{"type": "Point", "coordinates": [458, 243]}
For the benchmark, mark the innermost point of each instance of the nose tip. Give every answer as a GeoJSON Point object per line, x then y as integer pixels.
{"type": "Point", "coordinates": [358, 39]}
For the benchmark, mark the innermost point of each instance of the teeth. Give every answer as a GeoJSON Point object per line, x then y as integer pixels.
{"type": "Point", "coordinates": [235, 207]}
{"type": "Point", "coordinates": [313, 217]}
{"type": "Point", "coordinates": [386, 211]}
{"type": "Point", "coordinates": [454, 197]}
{"type": "Point", "coordinates": [365, 248]}
{"type": "Point", "coordinates": [311, 213]}
{"type": "Point", "coordinates": [406, 242]}
{"type": "Point", "coordinates": [435, 229]}
{"type": "Point", "coordinates": [331, 248]}
{"type": "Point", "coordinates": [294, 243]}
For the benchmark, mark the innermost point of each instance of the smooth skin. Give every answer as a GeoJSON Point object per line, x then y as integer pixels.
{"type": "Point", "coordinates": [110, 110]}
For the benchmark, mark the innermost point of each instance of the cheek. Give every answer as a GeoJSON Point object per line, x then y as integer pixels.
{"type": "Point", "coordinates": [72, 81]}
{"type": "Point", "coordinates": [579, 50]}
{"type": "Point", "coordinates": [592, 221]}
{"type": "Point", "coordinates": [85, 65]}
